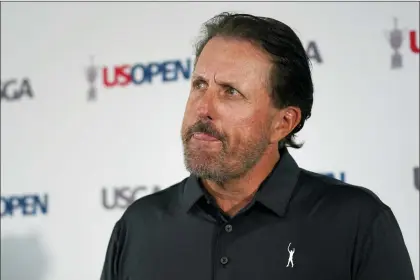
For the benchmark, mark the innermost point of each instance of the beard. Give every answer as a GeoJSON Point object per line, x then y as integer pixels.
{"type": "Point", "coordinates": [227, 163]}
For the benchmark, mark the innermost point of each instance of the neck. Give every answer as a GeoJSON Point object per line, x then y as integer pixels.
{"type": "Point", "coordinates": [233, 195]}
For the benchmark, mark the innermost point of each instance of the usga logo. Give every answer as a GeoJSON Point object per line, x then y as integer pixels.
{"type": "Point", "coordinates": [395, 38]}
{"type": "Point", "coordinates": [141, 73]}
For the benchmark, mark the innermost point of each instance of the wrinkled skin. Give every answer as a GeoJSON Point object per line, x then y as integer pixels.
{"type": "Point", "coordinates": [230, 122]}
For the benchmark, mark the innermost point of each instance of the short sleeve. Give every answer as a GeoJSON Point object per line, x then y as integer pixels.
{"type": "Point", "coordinates": [110, 270]}
{"type": "Point", "coordinates": [382, 253]}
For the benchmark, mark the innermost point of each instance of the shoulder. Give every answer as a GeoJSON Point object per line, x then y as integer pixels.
{"type": "Point", "coordinates": [161, 203]}
{"type": "Point", "coordinates": [336, 197]}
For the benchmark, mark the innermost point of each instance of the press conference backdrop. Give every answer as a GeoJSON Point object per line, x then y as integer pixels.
{"type": "Point", "coordinates": [93, 95]}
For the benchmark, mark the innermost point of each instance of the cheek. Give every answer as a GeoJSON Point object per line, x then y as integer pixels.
{"type": "Point", "coordinates": [189, 116]}
{"type": "Point", "coordinates": [191, 106]}
{"type": "Point", "coordinates": [246, 129]}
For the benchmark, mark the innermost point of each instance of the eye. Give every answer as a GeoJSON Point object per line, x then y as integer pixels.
{"type": "Point", "coordinates": [232, 91]}
{"type": "Point", "coordinates": [199, 84]}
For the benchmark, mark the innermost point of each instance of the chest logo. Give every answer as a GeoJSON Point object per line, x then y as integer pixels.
{"type": "Point", "coordinates": [291, 253]}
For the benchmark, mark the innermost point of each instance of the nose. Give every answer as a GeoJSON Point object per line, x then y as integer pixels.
{"type": "Point", "coordinates": [206, 106]}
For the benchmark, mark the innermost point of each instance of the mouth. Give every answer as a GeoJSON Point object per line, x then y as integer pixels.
{"type": "Point", "coordinates": [204, 137]}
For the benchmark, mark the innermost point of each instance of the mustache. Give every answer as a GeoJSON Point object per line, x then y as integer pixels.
{"type": "Point", "coordinates": [203, 127]}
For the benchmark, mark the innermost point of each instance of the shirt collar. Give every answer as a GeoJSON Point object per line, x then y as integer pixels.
{"type": "Point", "coordinates": [274, 193]}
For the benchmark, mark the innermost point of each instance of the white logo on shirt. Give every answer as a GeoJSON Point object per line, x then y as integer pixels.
{"type": "Point", "coordinates": [291, 252]}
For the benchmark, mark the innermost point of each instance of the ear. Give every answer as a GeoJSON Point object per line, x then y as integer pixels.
{"type": "Point", "coordinates": [285, 120]}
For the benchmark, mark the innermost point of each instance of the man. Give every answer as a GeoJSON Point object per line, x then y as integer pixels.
{"type": "Point", "coordinates": [248, 211]}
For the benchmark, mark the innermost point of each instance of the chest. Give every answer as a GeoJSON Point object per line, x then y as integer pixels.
{"type": "Point", "coordinates": [264, 249]}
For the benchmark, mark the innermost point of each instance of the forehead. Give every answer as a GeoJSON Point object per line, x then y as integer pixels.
{"type": "Point", "coordinates": [232, 58]}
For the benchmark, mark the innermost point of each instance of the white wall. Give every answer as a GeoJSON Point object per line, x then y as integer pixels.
{"type": "Point", "coordinates": [365, 117]}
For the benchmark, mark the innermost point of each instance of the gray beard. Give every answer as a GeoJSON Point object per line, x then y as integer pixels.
{"type": "Point", "coordinates": [219, 168]}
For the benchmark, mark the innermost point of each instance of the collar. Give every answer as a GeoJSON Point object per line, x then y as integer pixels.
{"type": "Point", "coordinates": [274, 193]}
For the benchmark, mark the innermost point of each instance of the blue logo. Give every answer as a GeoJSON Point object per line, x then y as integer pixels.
{"type": "Point", "coordinates": [339, 175]}
{"type": "Point", "coordinates": [145, 73]}
{"type": "Point", "coordinates": [24, 205]}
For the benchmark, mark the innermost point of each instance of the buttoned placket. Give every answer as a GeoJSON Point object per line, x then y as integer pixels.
{"type": "Point", "coordinates": [224, 236]}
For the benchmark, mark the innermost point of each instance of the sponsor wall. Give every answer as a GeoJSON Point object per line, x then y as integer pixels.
{"type": "Point", "coordinates": [92, 99]}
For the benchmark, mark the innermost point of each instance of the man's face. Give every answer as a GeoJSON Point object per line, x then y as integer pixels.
{"type": "Point", "coordinates": [226, 126]}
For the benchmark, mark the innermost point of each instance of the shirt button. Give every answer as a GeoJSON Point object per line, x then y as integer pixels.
{"type": "Point", "coordinates": [228, 228]}
{"type": "Point", "coordinates": [224, 260]}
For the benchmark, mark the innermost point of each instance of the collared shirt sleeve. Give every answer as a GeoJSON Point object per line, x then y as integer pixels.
{"type": "Point", "coordinates": [110, 270]}
{"type": "Point", "coordinates": [382, 253]}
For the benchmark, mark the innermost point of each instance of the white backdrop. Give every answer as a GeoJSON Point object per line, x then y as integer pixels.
{"type": "Point", "coordinates": [77, 152]}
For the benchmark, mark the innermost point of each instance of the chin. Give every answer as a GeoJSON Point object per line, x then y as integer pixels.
{"type": "Point", "coordinates": [201, 158]}
{"type": "Point", "coordinates": [206, 172]}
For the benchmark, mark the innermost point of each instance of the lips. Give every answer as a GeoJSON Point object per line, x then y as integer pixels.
{"type": "Point", "coordinates": [204, 137]}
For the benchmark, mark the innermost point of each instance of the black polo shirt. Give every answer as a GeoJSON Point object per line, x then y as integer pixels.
{"type": "Point", "coordinates": [299, 226]}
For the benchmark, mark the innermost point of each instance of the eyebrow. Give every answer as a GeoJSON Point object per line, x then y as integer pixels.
{"type": "Point", "coordinates": [226, 83]}
{"type": "Point", "coordinates": [196, 76]}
